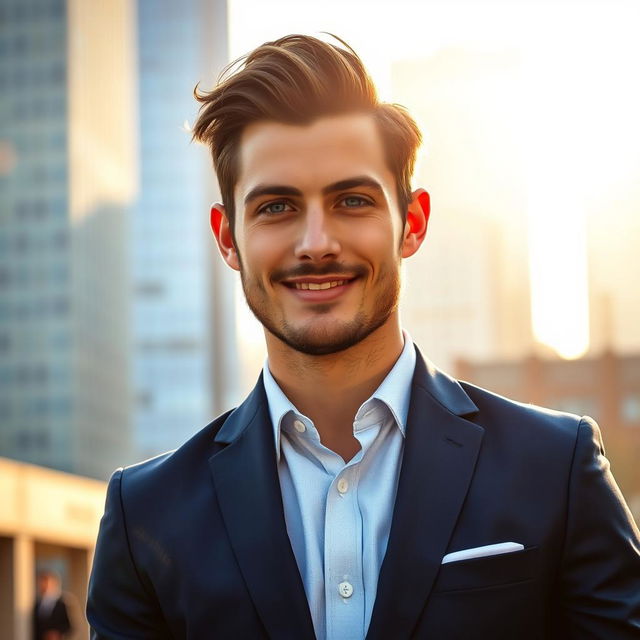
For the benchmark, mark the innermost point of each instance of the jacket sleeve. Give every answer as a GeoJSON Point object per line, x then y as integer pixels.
{"type": "Point", "coordinates": [120, 604]}
{"type": "Point", "coordinates": [600, 576]}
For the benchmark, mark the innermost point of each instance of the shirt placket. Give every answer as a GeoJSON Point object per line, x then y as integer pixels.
{"type": "Point", "coordinates": [344, 586]}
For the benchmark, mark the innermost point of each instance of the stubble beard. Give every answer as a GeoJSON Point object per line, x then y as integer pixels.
{"type": "Point", "coordinates": [316, 338]}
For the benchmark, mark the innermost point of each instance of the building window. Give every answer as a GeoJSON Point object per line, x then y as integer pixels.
{"type": "Point", "coordinates": [149, 289]}
{"type": "Point", "coordinates": [144, 400]}
{"type": "Point", "coordinates": [631, 409]}
{"type": "Point", "coordinates": [33, 440]}
{"type": "Point", "coordinates": [59, 306]}
{"type": "Point", "coordinates": [5, 409]}
{"type": "Point", "coordinates": [580, 405]}
{"type": "Point", "coordinates": [60, 239]}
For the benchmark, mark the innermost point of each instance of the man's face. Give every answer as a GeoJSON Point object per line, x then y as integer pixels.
{"type": "Point", "coordinates": [47, 584]}
{"type": "Point", "coordinates": [318, 231]}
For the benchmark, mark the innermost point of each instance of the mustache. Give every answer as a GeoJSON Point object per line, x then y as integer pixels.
{"type": "Point", "coordinates": [328, 268]}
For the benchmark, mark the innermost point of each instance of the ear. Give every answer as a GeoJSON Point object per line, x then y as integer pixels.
{"type": "Point", "coordinates": [415, 228]}
{"type": "Point", "coordinates": [224, 237]}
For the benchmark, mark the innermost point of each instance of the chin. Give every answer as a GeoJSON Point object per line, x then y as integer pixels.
{"type": "Point", "coordinates": [326, 340]}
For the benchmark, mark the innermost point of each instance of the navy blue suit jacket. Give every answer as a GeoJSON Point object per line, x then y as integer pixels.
{"type": "Point", "coordinates": [193, 544]}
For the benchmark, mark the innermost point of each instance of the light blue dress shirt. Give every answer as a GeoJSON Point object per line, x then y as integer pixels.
{"type": "Point", "coordinates": [338, 515]}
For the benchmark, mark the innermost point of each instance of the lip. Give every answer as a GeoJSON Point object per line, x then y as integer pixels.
{"type": "Point", "coordinates": [319, 295]}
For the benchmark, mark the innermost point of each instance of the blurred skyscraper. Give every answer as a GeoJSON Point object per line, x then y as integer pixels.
{"type": "Point", "coordinates": [613, 237]}
{"type": "Point", "coordinates": [184, 342]}
{"type": "Point", "coordinates": [67, 179]}
{"type": "Point", "coordinates": [467, 289]}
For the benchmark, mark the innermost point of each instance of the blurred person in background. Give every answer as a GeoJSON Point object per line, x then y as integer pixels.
{"type": "Point", "coordinates": [358, 491]}
{"type": "Point", "coordinates": [50, 614]}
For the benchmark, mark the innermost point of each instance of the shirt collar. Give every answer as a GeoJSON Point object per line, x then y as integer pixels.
{"type": "Point", "coordinates": [394, 391]}
{"type": "Point", "coordinates": [279, 404]}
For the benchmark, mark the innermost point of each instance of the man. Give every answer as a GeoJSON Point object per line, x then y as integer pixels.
{"type": "Point", "coordinates": [50, 615]}
{"type": "Point", "coordinates": [358, 491]}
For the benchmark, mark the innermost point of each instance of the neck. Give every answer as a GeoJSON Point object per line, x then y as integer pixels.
{"type": "Point", "coordinates": [329, 389]}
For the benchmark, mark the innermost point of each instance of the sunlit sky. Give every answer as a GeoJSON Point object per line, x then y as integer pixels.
{"type": "Point", "coordinates": [580, 100]}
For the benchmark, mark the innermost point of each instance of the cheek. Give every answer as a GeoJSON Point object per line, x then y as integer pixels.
{"type": "Point", "coordinates": [376, 243]}
{"type": "Point", "coordinates": [261, 255]}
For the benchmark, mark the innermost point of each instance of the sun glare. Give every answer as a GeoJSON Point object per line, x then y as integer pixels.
{"type": "Point", "coordinates": [558, 271]}
{"type": "Point", "coordinates": [556, 169]}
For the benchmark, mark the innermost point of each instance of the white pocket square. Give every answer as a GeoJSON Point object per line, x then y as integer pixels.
{"type": "Point", "coordinates": [481, 552]}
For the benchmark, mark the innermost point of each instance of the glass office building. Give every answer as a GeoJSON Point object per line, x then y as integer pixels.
{"type": "Point", "coordinates": [182, 311]}
{"type": "Point", "coordinates": [67, 168]}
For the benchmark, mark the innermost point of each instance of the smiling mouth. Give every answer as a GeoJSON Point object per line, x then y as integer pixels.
{"type": "Point", "coordinates": [318, 286]}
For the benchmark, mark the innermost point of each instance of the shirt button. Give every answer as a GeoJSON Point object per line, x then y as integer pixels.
{"type": "Point", "coordinates": [299, 426]}
{"type": "Point", "coordinates": [343, 487]}
{"type": "Point", "coordinates": [345, 589]}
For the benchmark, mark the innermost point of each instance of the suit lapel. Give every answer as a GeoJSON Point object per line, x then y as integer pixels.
{"type": "Point", "coordinates": [248, 491]}
{"type": "Point", "coordinates": [440, 454]}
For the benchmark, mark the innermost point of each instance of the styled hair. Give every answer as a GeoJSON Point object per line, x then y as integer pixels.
{"type": "Point", "coordinates": [296, 80]}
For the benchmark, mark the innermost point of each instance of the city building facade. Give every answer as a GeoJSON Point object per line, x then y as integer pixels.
{"type": "Point", "coordinates": [183, 329]}
{"type": "Point", "coordinates": [67, 182]}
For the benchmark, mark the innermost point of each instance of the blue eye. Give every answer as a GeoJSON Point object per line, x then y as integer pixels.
{"type": "Point", "coordinates": [275, 208]}
{"type": "Point", "coordinates": [355, 201]}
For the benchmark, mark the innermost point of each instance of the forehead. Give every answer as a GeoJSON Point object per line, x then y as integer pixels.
{"type": "Point", "coordinates": [311, 156]}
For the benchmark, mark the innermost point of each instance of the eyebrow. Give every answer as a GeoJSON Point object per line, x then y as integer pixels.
{"type": "Point", "coordinates": [351, 183]}
{"type": "Point", "coordinates": [284, 190]}
{"type": "Point", "coordinates": [271, 190]}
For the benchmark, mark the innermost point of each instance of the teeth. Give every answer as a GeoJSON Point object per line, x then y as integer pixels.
{"type": "Point", "coordinates": [317, 286]}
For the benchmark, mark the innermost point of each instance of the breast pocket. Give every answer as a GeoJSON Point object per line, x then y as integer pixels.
{"type": "Point", "coordinates": [487, 572]}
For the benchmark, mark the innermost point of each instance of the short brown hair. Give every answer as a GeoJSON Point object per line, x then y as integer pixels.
{"type": "Point", "coordinates": [296, 80]}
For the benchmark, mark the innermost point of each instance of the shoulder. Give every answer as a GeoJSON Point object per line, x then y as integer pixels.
{"type": "Point", "coordinates": [488, 409]}
{"type": "Point", "coordinates": [174, 474]}
{"type": "Point", "coordinates": [502, 408]}
{"type": "Point", "coordinates": [537, 451]}
{"type": "Point", "coordinates": [173, 470]}
{"type": "Point", "coordinates": [533, 427]}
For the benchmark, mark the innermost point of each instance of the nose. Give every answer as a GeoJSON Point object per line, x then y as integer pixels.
{"type": "Point", "coordinates": [317, 239]}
